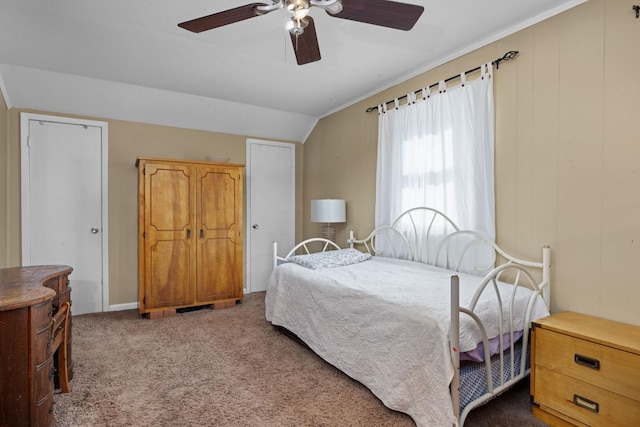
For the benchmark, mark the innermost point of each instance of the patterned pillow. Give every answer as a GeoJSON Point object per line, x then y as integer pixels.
{"type": "Point", "coordinates": [330, 259]}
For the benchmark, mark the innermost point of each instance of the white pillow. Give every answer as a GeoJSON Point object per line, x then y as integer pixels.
{"type": "Point", "coordinates": [330, 259]}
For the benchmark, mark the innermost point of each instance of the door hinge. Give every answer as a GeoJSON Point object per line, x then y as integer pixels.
{"type": "Point", "coordinates": [144, 171]}
{"type": "Point", "coordinates": [144, 234]}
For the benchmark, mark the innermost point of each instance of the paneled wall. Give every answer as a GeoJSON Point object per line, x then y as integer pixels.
{"type": "Point", "coordinates": [567, 154]}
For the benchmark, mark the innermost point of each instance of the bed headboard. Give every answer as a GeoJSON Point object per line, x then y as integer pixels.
{"type": "Point", "coordinates": [427, 235]}
{"type": "Point", "coordinates": [414, 235]}
{"type": "Point", "coordinates": [313, 245]}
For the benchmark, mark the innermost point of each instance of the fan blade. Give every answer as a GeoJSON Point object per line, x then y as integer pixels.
{"type": "Point", "coordinates": [386, 13]}
{"type": "Point", "coordinates": [306, 44]}
{"type": "Point", "coordinates": [219, 19]}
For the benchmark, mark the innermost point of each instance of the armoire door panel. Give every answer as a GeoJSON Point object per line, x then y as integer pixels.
{"type": "Point", "coordinates": [218, 192]}
{"type": "Point", "coordinates": [217, 270]}
{"type": "Point", "coordinates": [171, 202]}
{"type": "Point", "coordinates": [170, 279]}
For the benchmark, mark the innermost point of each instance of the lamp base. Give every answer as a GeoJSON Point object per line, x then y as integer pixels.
{"type": "Point", "coordinates": [329, 232]}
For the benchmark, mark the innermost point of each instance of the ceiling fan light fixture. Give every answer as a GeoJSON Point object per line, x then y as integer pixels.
{"type": "Point", "coordinates": [300, 14]}
{"type": "Point", "coordinates": [331, 6]}
{"type": "Point", "coordinates": [263, 9]}
{"type": "Point", "coordinates": [298, 8]}
{"type": "Point", "coordinates": [297, 26]}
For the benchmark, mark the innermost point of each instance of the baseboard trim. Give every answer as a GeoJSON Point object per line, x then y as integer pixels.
{"type": "Point", "coordinates": [127, 306]}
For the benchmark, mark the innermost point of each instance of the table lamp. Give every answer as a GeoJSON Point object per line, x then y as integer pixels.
{"type": "Point", "coordinates": [328, 211]}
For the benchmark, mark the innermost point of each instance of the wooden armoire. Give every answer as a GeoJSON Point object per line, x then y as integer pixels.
{"type": "Point", "coordinates": [190, 234]}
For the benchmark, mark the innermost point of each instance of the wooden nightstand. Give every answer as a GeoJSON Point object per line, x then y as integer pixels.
{"type": "Point", "coordinates": [585, 371]}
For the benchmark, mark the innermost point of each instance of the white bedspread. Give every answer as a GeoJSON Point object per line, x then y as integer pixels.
{"type": "Point", "coordinates": [385, 323]}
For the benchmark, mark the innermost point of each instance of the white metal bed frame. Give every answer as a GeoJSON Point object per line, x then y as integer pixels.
{"type": "Point", "coordinates": [414, 243]}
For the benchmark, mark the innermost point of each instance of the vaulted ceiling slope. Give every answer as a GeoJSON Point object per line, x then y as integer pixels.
{"type": "Point", "coordinates": [129, 60]}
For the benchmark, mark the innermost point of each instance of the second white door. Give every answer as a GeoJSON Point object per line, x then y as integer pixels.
{"type": "Point", "coordinates": [271, 207]}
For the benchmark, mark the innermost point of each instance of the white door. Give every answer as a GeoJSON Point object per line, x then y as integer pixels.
{"type": "Point", "coordinates": [63, 204]}
{"type": "Point", "coordinates": [270, 207]}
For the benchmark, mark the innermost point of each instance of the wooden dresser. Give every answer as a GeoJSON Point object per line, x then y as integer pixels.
{"type": "Point", "coordinates": [585, 371]}
{"type": "Point", "coordinates": [27, 298]}
{"type": "Point", "coordinates": [60, 284]}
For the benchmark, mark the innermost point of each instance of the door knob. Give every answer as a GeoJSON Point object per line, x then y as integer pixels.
{"type": "Point", "coordinates": [255, 226]}
{"type": "Point", "coordinates": [95, 230]}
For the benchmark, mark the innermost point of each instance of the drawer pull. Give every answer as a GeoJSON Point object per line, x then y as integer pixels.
{"type": "Point", "coordinates": [586, 403]}
{"type": "Point", "coordinates": [589, 362]}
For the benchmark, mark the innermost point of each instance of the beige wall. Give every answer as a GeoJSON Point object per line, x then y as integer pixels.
{"type": "Point", "coordinates": [567, 154]}
{"type": "Point", "coordinates": [127, 141]}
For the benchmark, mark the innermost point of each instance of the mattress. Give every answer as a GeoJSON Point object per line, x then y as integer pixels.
{"type": "Point", "coordinates": [473, 376]}
{"type": "Point", "coordinates": [385, 323]}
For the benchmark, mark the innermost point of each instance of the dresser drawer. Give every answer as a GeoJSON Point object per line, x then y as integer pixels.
{"type": "Point", "coordinates": [43, 410]}
{"type": "Point", "coordinates": [43, 413]}
{"type": "Point", "coordinates": [42, 344]}
{"type": "Point", "coordinates": [43, 374]}
{"type": "Point", "coordinates": [584, 402]}
{"type": "Point", "coordinates": [605, 367]}
{"type": "Point", "coordinates": [41, 315]}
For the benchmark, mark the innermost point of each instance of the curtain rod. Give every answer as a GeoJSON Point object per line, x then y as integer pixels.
{"type": "Point", "coordinates": [506, 57]}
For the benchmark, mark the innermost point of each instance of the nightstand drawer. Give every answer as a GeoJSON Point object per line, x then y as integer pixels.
{"type": "Point", "coordinates": [582, 401]}
{"type": "Point", "coordinates": [605, 367]}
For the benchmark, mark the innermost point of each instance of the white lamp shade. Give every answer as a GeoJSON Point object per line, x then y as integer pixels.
{"type": "Point", "coordinates": [328, 210]}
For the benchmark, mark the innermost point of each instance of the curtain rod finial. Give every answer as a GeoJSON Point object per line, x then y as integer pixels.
{"type": "Point", "coordinates": [506, 57]}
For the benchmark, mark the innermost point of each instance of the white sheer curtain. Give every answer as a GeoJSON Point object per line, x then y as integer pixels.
{"type": "Point", "coordinates": [438, 152]}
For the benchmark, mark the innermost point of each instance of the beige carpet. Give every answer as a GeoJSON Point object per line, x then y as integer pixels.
{"type": "Point", "coordinates": [223, 368]}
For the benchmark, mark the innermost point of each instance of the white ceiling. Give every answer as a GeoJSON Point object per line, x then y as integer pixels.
{"type": "Point", "coordinates": [129, 60]}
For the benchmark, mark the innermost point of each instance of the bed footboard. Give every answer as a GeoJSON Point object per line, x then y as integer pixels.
{"type": "Point", "coordinates": [509, 369]}
{"type": "Point", "coordinates": [455, 344]}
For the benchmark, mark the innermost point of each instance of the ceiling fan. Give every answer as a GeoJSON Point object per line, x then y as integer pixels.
{"type": "Point", "coordinates": [385, 13]}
